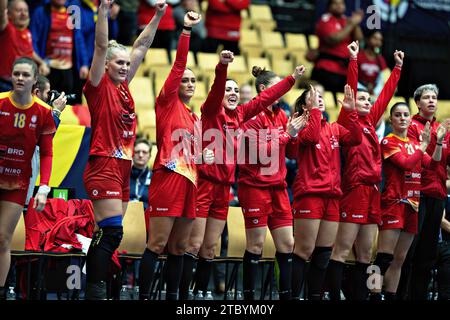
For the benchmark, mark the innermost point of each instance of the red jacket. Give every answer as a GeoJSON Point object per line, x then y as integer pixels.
{"type": "Point", "coordinates": [433, 179]}
{"type": "Point", "coordinates": [262, 160]}
{"type": "Point", "coordinates": [223, 18]}
{"type": "Point", "coordinates": [362, 163]}
{"type": "Point", "coordinates": [318, 154]}
{"type": "Point", "coordinates": [216, 116]}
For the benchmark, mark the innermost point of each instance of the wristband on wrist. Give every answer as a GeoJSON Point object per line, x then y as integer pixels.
{"type": "Point", "coordinates": [187, 28]}
{"type": "Point", "coordinates": [44, 189]}
{"type": "Point", "coordinates": [56, 112]}
{"type": "Point", "coordinates": [439, 143]}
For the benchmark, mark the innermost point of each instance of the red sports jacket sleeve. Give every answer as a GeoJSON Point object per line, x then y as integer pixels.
{"type": "Point", "coordinates": [46, 156]}
{"type": "Point", "coordinates": [172, 83]}
{"type": "Point", "coordinates": [213, 103]}
{"type": "Point", "coordinates": [406, 163]}
{"type": "Point", "coordinates": [352, 75]}
{"type": "Point", "coordinates": [385, 96]}
{"type": "Point", "coordinates": [311, 133]}
{"type": "Point", "coordinates": [351, 134]}
{"type": "Point", "coordinates": [266, 98]}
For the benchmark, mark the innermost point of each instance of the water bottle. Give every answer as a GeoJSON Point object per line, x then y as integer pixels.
{"type": "Point", "coordinates": [136, 293]}
{"type": "Point", "coordinates": [11, 295]}
{"type": "Point", "coordinates": [209, 295]}
{"type": "Point", "coordinates": [239, 296]}
{"type": "Point", "coordinates": [199, 295]}
{"type": "Point", "coordinates": [191, 294]}
{"type": "Point", "coordinates": [124, 293]}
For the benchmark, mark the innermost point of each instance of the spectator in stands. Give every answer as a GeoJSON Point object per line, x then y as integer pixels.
{"type": "Point", "coordinates": [223, 22]}
{"type": "Point", "coordinates": [198, 31]}
{"type": "Point", "coordinates": [15, 40]}
{"type": "Point", "coordinates": [245, 93]}
{"type": "Point", "coordinates": [371, 63]}
{"type": "Point", "coordinates": [360, 212]}
{"type": "Point", "coordinates": [317, 188]}
{"type": "Point", "coordinates": [335, 32]}
{"type": "Point", "coordinates": [172, 192]}
{"type": "Point", "coordinates": [41, 90]}
{"type": "Point", "coordinates": [416, 272]}
{"type": "Point", "coordinates": [262, 187]}
{"type": "Point", "coordinates": [166, 29]}
{"type": "Point", "coordinates": [63, 47]}
{"type": "Point", "coordinates": [403, 160]}
{"type": "Point", "coordinates": [88, 13]}
{"type": "Point", "coordinates": [127, 20]}
{"type": "Point", "coordinates": [26, 122]}
{"type": "Point", "coordinates": [443, 261]}
{"type": "Point", "coordinates": [107, 173]}
{"type": "Point", "coordinates": [140, 172]}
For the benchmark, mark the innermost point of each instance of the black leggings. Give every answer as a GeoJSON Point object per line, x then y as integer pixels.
{"type": "Point", "coordinates": [422, 254]}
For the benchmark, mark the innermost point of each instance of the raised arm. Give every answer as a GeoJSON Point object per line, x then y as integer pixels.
{"type": "Point", "coordinates": [388, 90]}
{"type": "Point", "coordinates": [3, 14]}
{"type": "Point", "coordinates": [310, 135]}
{"type": "Point", "coordinates": [351, 133]}
{"type": "Point", "coordinates": [145, 39]}
{"type": "Point", "coordinates": [268, 97]}
{"type": "Point", "coordinates": [213, 103]}
{"type": "Point", "coordinates": [101, 43]}
{"type": "Point", "coordinates": [172, 83]}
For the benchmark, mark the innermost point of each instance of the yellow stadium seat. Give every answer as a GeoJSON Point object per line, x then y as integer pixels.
{"type": "Point", "coordinates": [196, 103]}
{"type": "Point", "coordinates": [249, 38]}
{"type": "Point", "coordinates": [313, 41]}
{"type": "Point", "coordinates": [237, 239]}
{"type": "Point", "coordinates": [147, 123]}
{"type": "Point", "coordinates": [255, 52]}
{"type": "Point", "coordinates": [264, 25]}
{"type": "Point", "coordinates": [156, 57]}
{"type": "Point", "coordinates": [278, 54]}
{"type": "Point", "coordinates": [291, 96]}
{"type": "Point", "coordinates": [272, 39]}
{"type": "Point", "coordinates": [18, 239]}
{"type": "Point", "coordinates": [333, 114]}
{"type": "Point", "coordinates": [296, 41]}
{"type": "Point", "coordinates": [142, 91]}
{"type": "Point", "coordinates": [282, 67]}
{"type": "Point", "coordinates": [207, 61]}
{"type": "Point", "coordinates": [238, 65]}
{"type": "Point", "coordinates": [200, 90]}
{"type": "Point", "coordinates": [443, 112]}
{"type": "Point", "coordinates": [328, 98]}
{"type": "Point", "coordinates": [190, 59]}
{"type": "Point", "coordinates": [241, 77]}
{"type": "Point", "coordinates": [260, 12]}
{"type": "Point", "coordinates": [259, 62]}
{"type": "Point", "coordinates": [134, 233]}
{"type": "Point", "coordinates": [68, 116]}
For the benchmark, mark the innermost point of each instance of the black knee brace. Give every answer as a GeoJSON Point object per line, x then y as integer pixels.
{"type": "Point", "coordinates": [383, 261]}
{"type": "Point", "coordinates": [320, 257]}
{"type": "Point", "coordinates": [108, 238]}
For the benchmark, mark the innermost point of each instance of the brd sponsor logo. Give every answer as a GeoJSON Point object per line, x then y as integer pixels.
{"type": "Point", "coordinates": [16, 152]}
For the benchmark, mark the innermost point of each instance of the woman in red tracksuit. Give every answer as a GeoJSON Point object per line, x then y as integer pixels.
{"type": "Point", "coordinates": [262, 187]}
{"type": "Point", "coordinates": [107, 173]}
{"type": "Point", "coordinates": [403, 160]}
{"type": "Point", "coordinates": [172, 191]}
{"type": "Point", "coordinates": [221, 107]}
{"type": "Point", "coordinates": [25, 121]}
{"type": "Point", "coordinates": [360, 204]}
{"type": "Point", "coordinates": [317, 188]}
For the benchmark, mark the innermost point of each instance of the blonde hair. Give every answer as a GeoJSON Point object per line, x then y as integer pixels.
{"type": "Point", "coordinates": [113, 45]}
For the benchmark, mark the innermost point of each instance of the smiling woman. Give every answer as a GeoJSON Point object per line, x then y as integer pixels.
{"type": "Point", "coordinates": [107, 174]}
